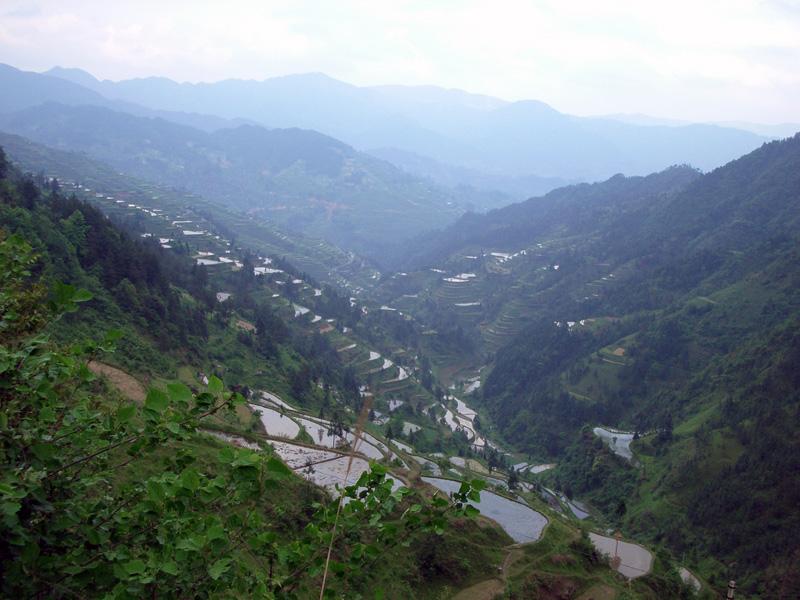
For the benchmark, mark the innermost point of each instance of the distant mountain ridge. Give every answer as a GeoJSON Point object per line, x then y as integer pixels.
{"type": "Point", "coordinates": [471, 141]}
{"type": "Point", "coordinates": [24, 89]}
{"type": "Point", "coordinates": [776, 130]}
{"type": "Point", "coordinates": [479, 132]}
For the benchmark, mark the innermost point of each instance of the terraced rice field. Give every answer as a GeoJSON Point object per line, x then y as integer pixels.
{"type": "Point", "coordinates": [635, 560]}
{"type": "Point", "coordinates": [276, 423]}
{"type": "Point", "coordinates": [520, 521]}
{"type": "Point", "coordinates": [618, 441]}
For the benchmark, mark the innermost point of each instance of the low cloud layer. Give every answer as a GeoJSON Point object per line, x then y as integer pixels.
{"type": "Point", "coordinates": [726, 60]}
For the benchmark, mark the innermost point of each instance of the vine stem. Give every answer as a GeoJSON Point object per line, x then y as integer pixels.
{"type": "Point", "coordinates": [131, 439]}
{"type": "Point", "coordinates": [359, 429]}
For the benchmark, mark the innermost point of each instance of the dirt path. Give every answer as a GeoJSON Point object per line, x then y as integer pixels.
{"type": "Point", "coordinates": [491, 588]}
{"type": "Point", "coordinates": [125, 383]}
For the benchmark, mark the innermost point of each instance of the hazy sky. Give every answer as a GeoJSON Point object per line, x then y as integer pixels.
{"type": "Point", "coordinates": [699, 60]}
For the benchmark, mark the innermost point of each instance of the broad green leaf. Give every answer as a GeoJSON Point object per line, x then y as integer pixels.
{"type": "Point", "coordinates": [156, 400]}
{"type": "Point", "coordinates": [214, 385]}
{"type": "Point", "coordinates": [170, 567]}
{"type": "Point", "coordinates": [63, 293]}
{"type": "Point", "coordinates": [178, 392]}
{"type": "Point", "coordinates": [215, 532]}
{"type": "Point", "coordinates": [93, 536]}
{"type": "Point", "coordinates": [337, 567]}
{"type": "Point", "coordinates": [203, 401]}
{"type": "Point", "coordinates": [358, 551]}
{"type": "Point", "coordinates": [219, 567]}
{"type": "Point", "coordinates": [190, 480]}
{"type": "Point", "coordinates": [267, 537]}
{"type": "Point", "coordinates": [276, 467]}
{"type": "Point", "coordinates": [246, 459]}
{"type": "Point", "coordinates": [190, 544]}
{"type": "Point", "coordinates": [125, 413]}
{"type": "Point", "coordinates": [10, 508]}
{"type": "Point", "coordinates": [439, 502]}
{"type": "Point", "coordinates": [134, 566]}
{"type": "Point", "coordinates": [72, 569]}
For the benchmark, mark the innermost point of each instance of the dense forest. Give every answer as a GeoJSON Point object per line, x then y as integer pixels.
{"type": "Point", "coordinates": [164, 300]}
{"type": "Point", "coordinates": [692, 342]}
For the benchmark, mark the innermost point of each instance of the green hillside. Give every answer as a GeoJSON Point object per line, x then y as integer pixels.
{"type": "Point", "coordinates": [300, 179]}
{"type": "Point", "coordinates": [156, 452]}
{"type": "Point", "coordinates": [157, 486]}
{"type": "Point", "coordinates": [113, 192]}
{"type": "Point", "coordinates": [666, 306]}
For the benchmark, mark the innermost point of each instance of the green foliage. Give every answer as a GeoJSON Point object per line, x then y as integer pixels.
{"type": "Point", "coordinates": [160, 300]}
{"type": "Point", "coordinates": [683, 291]}
{"type": "Point", "coordinates": [20, 301]}
{"type": "Point", "coordinates": [71, 525]}
{"type": "Point", "coordinates": [590, 470]}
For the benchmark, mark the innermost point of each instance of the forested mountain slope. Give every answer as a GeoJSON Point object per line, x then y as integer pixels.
{"type": "Point", "coordinates": [667, 305]}
{"type": "Point", "coordinates": [581, 209]}
{"type": "Point", "coordinates": [673, 311]}
{"type": "Point", "coordinates": [322, 260]}
{"type": "Point", "coordinates": [165, 304]}
{"type": "Point", "coordinates": [106, 492]}
{"type": "Point", "coordinates": [179, 491]}
{"type": "Point", "coordinates": [301, 179]}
